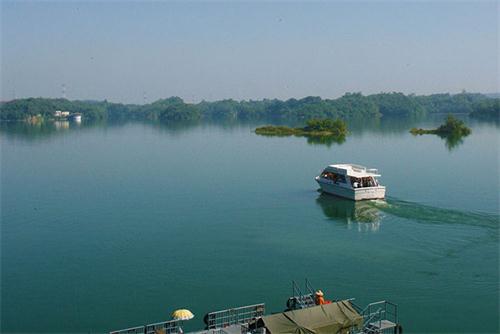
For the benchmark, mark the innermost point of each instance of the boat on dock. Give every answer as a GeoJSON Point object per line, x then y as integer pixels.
{"type": "Point", "coordinates": [306, 312]}
{"type": "Point", "coordinates": [351, 181]}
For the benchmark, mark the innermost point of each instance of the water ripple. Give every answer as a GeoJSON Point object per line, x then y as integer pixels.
{"type": "Point", "coordinates": [431, 214]}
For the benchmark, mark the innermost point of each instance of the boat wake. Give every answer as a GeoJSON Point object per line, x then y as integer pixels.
{"type": "Point", "coordinates": [430, 214]}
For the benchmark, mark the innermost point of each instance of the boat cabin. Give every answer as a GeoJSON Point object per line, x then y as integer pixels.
{"type": "Point", "coordinates": [351, 181]}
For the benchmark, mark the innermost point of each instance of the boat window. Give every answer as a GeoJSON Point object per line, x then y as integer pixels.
{"type": "Point", "coordinates": [355, 182]}
{"type": "Point", "coordinates": [340, 178]}
{"type": "Point", "coordinates": [369, 182]}
{"type": "Point", "coordinates": [363, 182]}
{"type": "Point", "coordinates": [333, 176]}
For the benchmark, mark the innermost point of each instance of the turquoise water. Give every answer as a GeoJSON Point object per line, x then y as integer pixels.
{"type": "Point", "coordinates": [111, 226]}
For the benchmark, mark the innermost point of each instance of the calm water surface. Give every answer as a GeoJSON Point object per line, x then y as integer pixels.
{"type": "Point", "coordinates": [111, 226]}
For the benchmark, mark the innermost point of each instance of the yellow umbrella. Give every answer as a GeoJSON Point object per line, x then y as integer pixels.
{"type": "Point", "coordinates": [182, 314]}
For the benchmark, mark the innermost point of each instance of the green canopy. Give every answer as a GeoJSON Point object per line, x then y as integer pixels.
{"type": "Point", "coordinates": [336, 317]}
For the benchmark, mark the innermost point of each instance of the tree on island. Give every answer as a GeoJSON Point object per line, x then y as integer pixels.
{"type": "Point", "coordinates": [336, 127]}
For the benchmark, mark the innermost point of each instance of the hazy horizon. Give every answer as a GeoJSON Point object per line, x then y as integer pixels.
{"type": "Point", "coordinates": [133, 52]}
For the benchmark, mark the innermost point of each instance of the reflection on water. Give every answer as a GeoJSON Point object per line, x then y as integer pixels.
{"type": "Point", "coordinates": [325, 140]}
{"type": "Point", "coordinates": [359, 215]}
{"type": "Point", "coordinates": [453, 141]}
{"type": "Point", "coordinates": [357, 127]}
{"type": "Point", "coordinates": [61, 125]}
{"type": "Point", "coordinates": [47, 129]}
{"type": "Point", "coordinates": [33, 131]}
{"type": "Point", "coordinates": [175, 127]}
{"type": "Point", "coordinates": [367, 215]}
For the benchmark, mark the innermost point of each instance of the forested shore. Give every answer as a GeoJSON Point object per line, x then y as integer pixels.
{"type": "Point", "coordinates": [349, 106]}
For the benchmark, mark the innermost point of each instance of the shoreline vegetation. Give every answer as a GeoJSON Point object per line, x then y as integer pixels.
{"type": "Point", "coordinates": [487, 110]}
{"type": "Point", "coordinates": [348, 106]}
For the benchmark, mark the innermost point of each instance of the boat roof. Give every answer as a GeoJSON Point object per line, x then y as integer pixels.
{"type": "Point", "coordinates": [353, 170]}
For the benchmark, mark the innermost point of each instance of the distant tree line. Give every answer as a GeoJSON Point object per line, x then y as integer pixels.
{"type": "Point", "coordinates": [488, 109]}
{"type": "Point", "coordinates": [351, 105]}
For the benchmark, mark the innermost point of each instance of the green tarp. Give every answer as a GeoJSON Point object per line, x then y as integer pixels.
{"type": "Point", "coordinates": [336, 317]}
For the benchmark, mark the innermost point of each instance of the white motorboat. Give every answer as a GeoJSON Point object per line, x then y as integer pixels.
{"type": "Point", "coordinates": [351, 181]}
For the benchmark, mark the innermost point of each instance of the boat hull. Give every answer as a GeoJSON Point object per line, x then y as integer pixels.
{"type": "Point", "coordinates": [357, 194]}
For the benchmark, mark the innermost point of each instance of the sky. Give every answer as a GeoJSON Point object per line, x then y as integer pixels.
{"type": "Point", "coordinates": [135, 52]}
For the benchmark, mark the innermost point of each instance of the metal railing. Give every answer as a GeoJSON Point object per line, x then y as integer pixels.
{"type": "Point", "coordinates": [375, 314]}
{"type": "Point", "coordinates": [300, 300]}
{"type": "Point", "coordinates": [234, 316]}
{"type": "Point", "coordinates": [165, 327]}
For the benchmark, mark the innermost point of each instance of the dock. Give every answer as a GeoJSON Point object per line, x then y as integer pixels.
{"type": "Point", "coordinates": [336, 316]}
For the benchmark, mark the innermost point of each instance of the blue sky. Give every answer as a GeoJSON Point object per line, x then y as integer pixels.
{"type": "Point", "coordinates": [216, 50]}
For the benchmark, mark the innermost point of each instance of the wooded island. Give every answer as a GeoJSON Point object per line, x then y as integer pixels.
{"type": "Point", "coordinates": [451, 127]}
{"type": "Point", "coordinates": [314, 128]}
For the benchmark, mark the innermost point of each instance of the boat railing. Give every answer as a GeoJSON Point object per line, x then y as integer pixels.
{"type": "Point", "coordinates": [358, 168]}
{"type": "Point", "coordinates": [234, 316]}
{"type": "Point", "coordinates": [300, 300]}
{"type": "Point", "coordinates": [167, 327]}
{"type": "Point", "coordinates": [379, 316]}
{"type": "Point", "coordinates": [363, 169]}
{"type": "Point", "coordinates": [309, 287]}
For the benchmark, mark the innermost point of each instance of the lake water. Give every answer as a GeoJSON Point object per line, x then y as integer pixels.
{"type": "Point", "coordinates": [111, 226]}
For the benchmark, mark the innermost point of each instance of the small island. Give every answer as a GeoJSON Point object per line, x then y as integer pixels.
{"type": "Point", "coordinates": [314, 128]}
{"type": "Point", "coordinates": [452, 127]}
{"type": "Point", "coordinates": [453, 130]}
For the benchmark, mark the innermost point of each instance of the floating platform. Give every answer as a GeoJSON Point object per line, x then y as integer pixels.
{"type": "Point", "coordinates": [336, 316]}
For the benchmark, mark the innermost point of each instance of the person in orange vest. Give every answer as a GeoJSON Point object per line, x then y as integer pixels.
{"type": "Point", "coordinates": [319, 298]}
